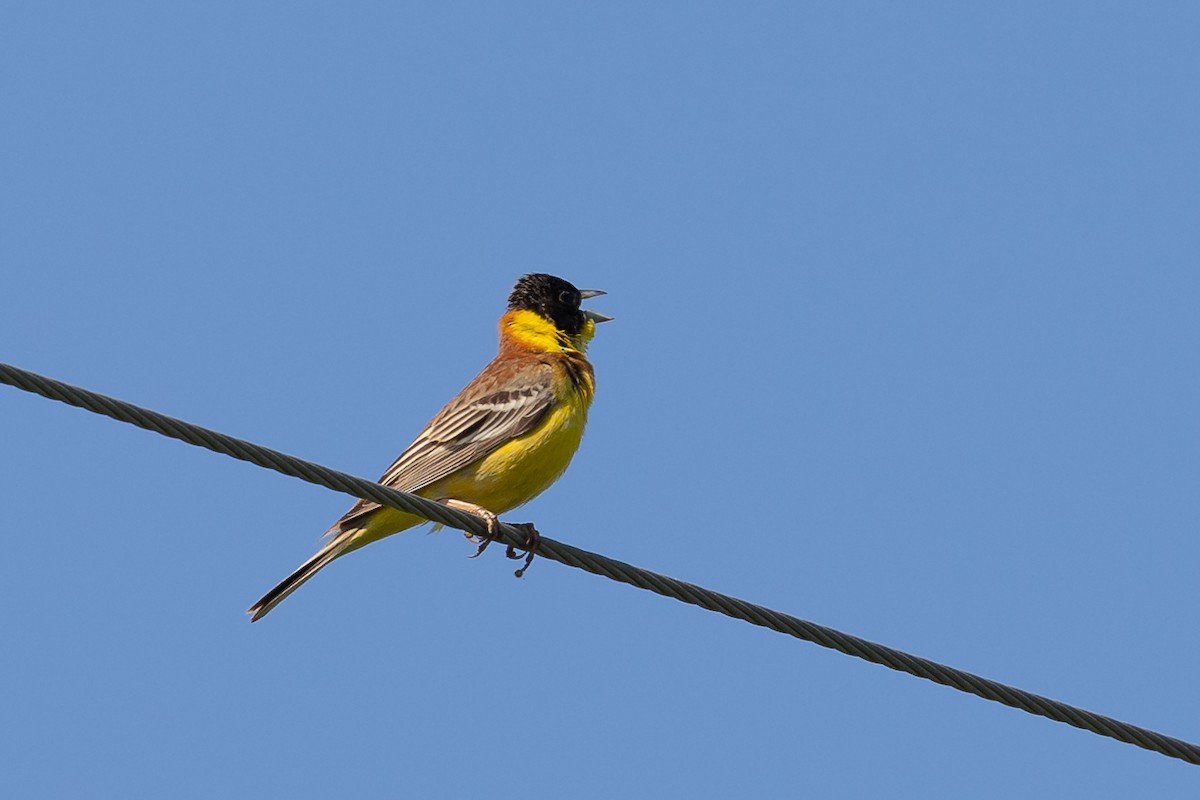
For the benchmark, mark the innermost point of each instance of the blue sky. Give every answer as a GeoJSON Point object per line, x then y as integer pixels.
{"type": "Point", "coordinates": [905, 343]}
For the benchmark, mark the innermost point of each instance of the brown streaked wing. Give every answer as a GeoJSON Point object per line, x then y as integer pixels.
{"type": "Point", "coordinates": [476, 422]}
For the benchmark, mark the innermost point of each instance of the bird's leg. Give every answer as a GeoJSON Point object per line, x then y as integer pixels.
{"type": "Point", "coordinates": [532, 537]}
{"type": "Point", "coordinates": [493, 522]}
{"type": "Point", "coordinates": [529, 546]}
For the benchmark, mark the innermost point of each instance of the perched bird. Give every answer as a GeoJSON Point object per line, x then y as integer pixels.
{"type": "Point", "coordinates": [502, 440]}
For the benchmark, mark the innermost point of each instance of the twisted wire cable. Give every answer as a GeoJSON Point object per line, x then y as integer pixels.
{"type": "Point", "coordinates": [604, 566]}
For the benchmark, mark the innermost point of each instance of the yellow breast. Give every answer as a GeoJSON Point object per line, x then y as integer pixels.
{"type": "Point", "coordinates": [520, 470]}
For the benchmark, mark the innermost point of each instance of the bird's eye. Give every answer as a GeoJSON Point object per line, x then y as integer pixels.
{"type": "Point", "coordinates": [568, 298]}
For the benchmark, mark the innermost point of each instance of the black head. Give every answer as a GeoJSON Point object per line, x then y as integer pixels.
{"type": "Point", "coordinates": [552, 298]}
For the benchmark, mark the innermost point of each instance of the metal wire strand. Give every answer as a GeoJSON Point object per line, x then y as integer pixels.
{"type": "Point", "coordinates": [606, 567]}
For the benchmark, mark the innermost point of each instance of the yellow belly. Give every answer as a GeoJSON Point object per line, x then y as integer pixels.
{"type": "Point", "coordinates": [511, 475]}
{"type": "Point", "coordinates": [520, 470]}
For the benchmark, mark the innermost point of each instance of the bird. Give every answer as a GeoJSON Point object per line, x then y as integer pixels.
{"type": "Point", "coordinates": [502, 440]}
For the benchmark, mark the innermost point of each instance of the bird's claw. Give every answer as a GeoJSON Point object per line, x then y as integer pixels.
{"type": "Point", "coordinates": [532, 537]}
{"type": "Point", "coordinates": [493, 533]}
{"type": "Point", "coordinates": [527, 550]}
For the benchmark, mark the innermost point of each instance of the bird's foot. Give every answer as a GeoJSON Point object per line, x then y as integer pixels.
{"type": "Point", "coordinates": [532, 538]}
{"type": "Point", "coordinates": [528, 548]}
{"type": "Point", "coordinates": [493, 533]}
{"type": "Point", "coordinates": [489, 519]}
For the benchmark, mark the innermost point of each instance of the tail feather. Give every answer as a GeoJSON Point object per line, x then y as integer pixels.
{"type": "Point", "coordinates": [294, 581]}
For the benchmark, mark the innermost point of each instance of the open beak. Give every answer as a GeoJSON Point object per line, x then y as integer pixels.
{"type": "Point", "coordinates": [594, 316]}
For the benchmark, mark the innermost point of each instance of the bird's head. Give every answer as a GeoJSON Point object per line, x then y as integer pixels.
{"type": "Point", "coordinates": [558, 302]}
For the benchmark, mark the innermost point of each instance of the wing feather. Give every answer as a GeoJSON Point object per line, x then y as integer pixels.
{"type": "Point", "coordinates": [475, 423]}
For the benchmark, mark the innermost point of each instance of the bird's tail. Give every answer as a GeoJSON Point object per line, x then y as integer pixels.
{"type": "Point", "coordinates": [337, 546]}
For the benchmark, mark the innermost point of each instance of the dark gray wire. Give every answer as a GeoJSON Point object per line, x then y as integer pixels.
{"type": "Point", "coordinates": [600, 565]}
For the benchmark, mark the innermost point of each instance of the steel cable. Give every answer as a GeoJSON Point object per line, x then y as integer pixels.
{"type": "Point", "coordinates": [604, 566]}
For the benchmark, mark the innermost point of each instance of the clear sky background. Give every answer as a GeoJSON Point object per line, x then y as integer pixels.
{"type": "Point", "coordinates": [906, 334]}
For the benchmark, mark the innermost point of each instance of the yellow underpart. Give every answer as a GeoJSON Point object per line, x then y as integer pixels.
{"type": "Point", "coordinates": [521, 469]}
